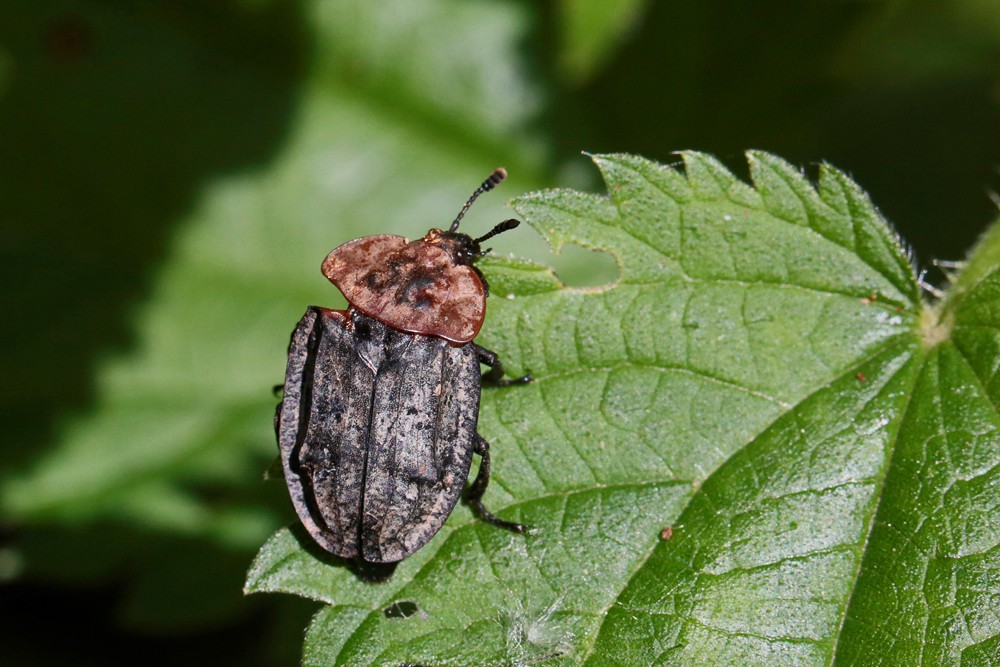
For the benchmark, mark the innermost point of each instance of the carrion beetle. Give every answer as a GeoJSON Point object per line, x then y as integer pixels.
{"type": "Point", "coordinates": [378, 422]}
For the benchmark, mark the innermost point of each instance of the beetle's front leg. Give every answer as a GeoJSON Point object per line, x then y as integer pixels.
{"type": "Point", "coordinates": [495, 375]}
{"type": "Point", "coordinates": [474, 496]}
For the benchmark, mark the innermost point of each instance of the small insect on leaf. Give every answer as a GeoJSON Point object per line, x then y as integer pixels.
{"type": "Point", "coordinates": [378, 422]}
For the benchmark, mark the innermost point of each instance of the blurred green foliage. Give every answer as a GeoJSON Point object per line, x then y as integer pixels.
{"type": "Point", "coordinates": [172, 173]}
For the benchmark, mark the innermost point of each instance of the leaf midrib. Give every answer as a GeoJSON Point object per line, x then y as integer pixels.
{"type": "Point", "coordinates": [920, 357]}
{"type": "Point", "coordinates": [887, 345]}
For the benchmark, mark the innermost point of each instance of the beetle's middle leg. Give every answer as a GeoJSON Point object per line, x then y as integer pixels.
{"type": "Point", "coordinates": [495, 376]}
{"type": "Point", "coordinates": [474, 496]}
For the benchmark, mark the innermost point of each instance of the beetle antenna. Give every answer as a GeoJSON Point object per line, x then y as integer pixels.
{"type": "Point", "coordinates": [504, 226]}
{"type": "Point", "coordinates": [491, 182]}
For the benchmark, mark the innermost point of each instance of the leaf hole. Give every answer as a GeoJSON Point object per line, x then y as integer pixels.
{"type": "Point", "coordinates": [401, 609]}
{"type": "Point", "coordinates": [581, 267]}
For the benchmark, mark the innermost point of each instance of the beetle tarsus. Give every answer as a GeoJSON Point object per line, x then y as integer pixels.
{"type": "Point", "coordinates": [495, 376]}
{"type": "Point", "coordinates": [474, 496]}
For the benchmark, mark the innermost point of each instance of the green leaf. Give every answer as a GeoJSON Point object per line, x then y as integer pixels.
{"type": "Point", "coordinates": [758, 446]}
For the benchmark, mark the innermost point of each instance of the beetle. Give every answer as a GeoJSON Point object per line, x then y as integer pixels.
{"type": "Point", "coordinates": [378, 422]}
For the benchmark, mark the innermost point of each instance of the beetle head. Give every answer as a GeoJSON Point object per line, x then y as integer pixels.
{"type": "Point", "coordinates": [462, 248]}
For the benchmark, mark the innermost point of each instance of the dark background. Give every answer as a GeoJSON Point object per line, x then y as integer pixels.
{"type": "Point", "coordinates": [114, 116]}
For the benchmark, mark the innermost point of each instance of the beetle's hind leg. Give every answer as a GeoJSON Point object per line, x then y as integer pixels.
{"type": "Point", "coordinates": [495, 376]}
{"type": "Point", "coordinates": [474, 496]}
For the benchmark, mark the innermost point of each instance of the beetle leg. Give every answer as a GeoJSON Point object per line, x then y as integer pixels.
{"type": "Point", "coordinates": [474, 496]}
{"type": "Point", "coordinates": [495, 375]}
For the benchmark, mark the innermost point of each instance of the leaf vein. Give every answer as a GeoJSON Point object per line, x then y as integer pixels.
{"type": "Point", "coordinates": [870, 520]}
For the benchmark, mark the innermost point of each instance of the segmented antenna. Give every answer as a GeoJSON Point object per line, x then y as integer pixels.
{"type": "Point", "coordinates": [494, 180]}
{"type": "Point", "coordinates": [504, 226]}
